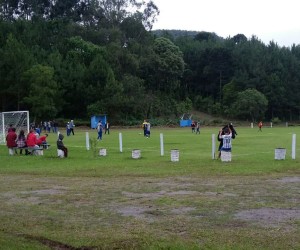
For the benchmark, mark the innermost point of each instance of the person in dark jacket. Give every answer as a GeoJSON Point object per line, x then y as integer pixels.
{"type": "Point", "coordinates": [61, 146]}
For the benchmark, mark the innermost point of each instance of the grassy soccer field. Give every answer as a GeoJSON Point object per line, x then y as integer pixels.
{"type": "Point", "coordinates": [116, 202]}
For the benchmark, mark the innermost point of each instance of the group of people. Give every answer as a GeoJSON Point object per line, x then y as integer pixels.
{"type": "Point", "coordinates": [20, 141]}
{"type": "Point", "coordinates": [195, 127]}
{"type": "Point", "coordinates": [100, 128]}
{"type": "Point", "coordinates": [49, 126]}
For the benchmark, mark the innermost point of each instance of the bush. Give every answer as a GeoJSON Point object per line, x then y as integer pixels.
{"type": "Point", "coordinates": [276, 120]}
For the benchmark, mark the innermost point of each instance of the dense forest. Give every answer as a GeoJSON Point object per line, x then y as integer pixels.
{"type": "Point", "coordinates": [76, 58]}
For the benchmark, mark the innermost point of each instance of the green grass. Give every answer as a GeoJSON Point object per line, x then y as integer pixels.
{"type": "Point", "coordinates": [116, 202]}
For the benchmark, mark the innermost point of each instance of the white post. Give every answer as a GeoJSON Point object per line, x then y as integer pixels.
{"type": "Point", "coordinates": [294, 147]}
{"type": "Point", "coordinates": [28, 124]}
{"type": "Point", "coordinates": [213, 151]}
{"type": "Point", "coordinates": [3, 127]}
{"type": "Point", "coordinates": [120, 142]}
{"type": "Point", "coordinates": [161, 144]}
{"type": "Point", "coordinates": [251, 124]}
{"type": "Point", "coordinates": [87, 140]}
{"type": "Point", "coordinates": [271, 125]}
{"type": "Point", "coordinates": [286, 124]}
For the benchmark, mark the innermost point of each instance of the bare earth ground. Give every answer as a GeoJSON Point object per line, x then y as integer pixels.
{"type": "Point", "coordinates": [162, 207]}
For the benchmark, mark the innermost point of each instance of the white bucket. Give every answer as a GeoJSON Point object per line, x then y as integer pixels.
{"type": "Point", "coordinates": [174, 155]}
{"type": "Point", "coordinates": [225, 156]}
{"type": "Point", "coordinates": [60, 153]}
{"type": "Point", "coordinates": [136, 153]}
{"type": "Point", "coordinates": [102, 152]}
{"type": "Point", "coordinates": [280, 153]}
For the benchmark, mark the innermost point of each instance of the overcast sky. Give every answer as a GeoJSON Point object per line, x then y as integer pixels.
{"type": "Point", "coordinates": [268, 20]}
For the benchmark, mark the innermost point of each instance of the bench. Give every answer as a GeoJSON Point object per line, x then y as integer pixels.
{"type": "Point", "coordinates": [32, 150]}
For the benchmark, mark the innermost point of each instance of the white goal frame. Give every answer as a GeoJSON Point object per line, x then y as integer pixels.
{"type": "Point", "coordinates": [18, 120]}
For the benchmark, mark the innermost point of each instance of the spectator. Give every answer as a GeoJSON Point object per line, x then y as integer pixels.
{"type": "Point", "coordinates": [68, 129]}
{"type": "Point", "coordinates": [198, 128]}
{"type": "Point", "coordinates": [61, 146]}
{"type": "Point", "coordinates": [72, 127]}
{"type": "Point", "coordinates": [21, 142]}
{"type": "Point", "coordinates": [260, 124]}
{"type": "Point", "coordinates": [100, 130]}
{"type": "Point", "coordinates": [42, 140]}
{"type": "Point", "coordinates": [31, 139]}
{"type": "Point", "coordinates": [106, 128]}
{"type": "Point", "coordinates": [11, 138]}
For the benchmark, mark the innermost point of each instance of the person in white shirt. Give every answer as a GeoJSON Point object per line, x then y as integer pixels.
{"type": "Point", "coordinates": [226, 138]}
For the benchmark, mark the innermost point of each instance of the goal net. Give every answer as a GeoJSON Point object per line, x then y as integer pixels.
{"type": "Point", "coordinates": [16, 119]}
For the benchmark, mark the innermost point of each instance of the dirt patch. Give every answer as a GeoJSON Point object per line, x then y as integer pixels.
{"type": "Point", "coordinates": [292, 179]}
{"type": "Point", "coordinates": [183, 210]}
{"type": "Point", "coordinates": [269, 216]}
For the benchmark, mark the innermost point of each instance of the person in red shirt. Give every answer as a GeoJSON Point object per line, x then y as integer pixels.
{"type": "Point", "coordinates": [260, 124]}
{"type": "Point", "coordinates": [11, 138]}
{"type": "Point", "coordinates": [42, 139]}
{"type": "Point", "coordinates": [31, 140]}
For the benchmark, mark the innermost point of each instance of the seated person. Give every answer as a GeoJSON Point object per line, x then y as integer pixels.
{"type": "Point", "coordinates": [42, 140]}
{"type": "Point", "coordinates": [61, 146]}
{"type": "Point", "coordinates": [21, 142]}
{"type": "Point", "coordinates": [31, 140]}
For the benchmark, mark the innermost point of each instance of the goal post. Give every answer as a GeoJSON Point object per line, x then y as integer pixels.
{"type": "Point", "coordinates": [17, 119]}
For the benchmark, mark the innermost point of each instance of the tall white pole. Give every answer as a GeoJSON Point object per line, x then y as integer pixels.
{"type": "Point", "coordinates": [251, 124]}
{"type": "Point", "coordinates": [120, 142]}
{"type": "Point", "coordinates": [161, 144]}
{"type": "Point", "coordinates": [87, 140]}
{"type": "Point", "coordinates": [213, 149]}
{"type": "Point", "coordinates": [28, 121]}
{"type": "Point", "coordinates": [294, 147]}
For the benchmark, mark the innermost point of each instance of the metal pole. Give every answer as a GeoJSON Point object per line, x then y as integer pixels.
{"type": "Point", "coordinates": [87, 140]}
{"type": "Point", "coordinates": [161, 144]}
{"type": "Point", "coordinates": [213, 151]}
{"type": "Point", "coordinates": [120, 142]}
{"type": "Point", "coordinates": [294, 147]}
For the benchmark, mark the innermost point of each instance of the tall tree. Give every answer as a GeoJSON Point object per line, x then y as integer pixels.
{"type": "Point", "coordinates": [43, 91]}
{"type": "Point", "coordinates": [250, 104]}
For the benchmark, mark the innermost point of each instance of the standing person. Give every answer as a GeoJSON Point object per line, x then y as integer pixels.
{"type": "Point", "coordinates": [49, 126]}
{"type": "Point", "coordinates": [100, 130]}
{"type": "Point", "coordinates": [260, 124]}
{"type": "Point", "coordinates": [21, 142]}
{"type": "Point", "coordinates": [148, 126]}
{"type": "Point", "coordinates": [198, 128]}
{"type": "Point", "coordinates": [72, 127]}
{"type": "Point", "coordinates": [226, 137]}
{"type": "Point", "coordinates": [11, 138]}
{"type": "Point", "coordinates": [144, 126]}
{"type": "Point", "coordinates": [68, 129]}
{"type": "Point", "coordinates": [106, 128]}
{"type": "Point", "coordinates": [220, 139]}
{"type": "Point", "coordinates": [233, 131]}
{"type": "Point", "coordinates": [193, 125]}
{"type": "Point", "coordinates": [55, 125]}
{"type": "Point", "coordinates": [61, 146]}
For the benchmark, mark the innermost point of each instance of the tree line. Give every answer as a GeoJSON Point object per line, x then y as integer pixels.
{"type": "Point", "coordinates": [77, 58]}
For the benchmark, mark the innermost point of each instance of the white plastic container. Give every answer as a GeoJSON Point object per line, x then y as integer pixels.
{"type": "Point", "coordinates": [174, 155]}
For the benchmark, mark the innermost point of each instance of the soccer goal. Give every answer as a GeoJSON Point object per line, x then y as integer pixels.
{"type": "Point", "coordinates": [16, 119]}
